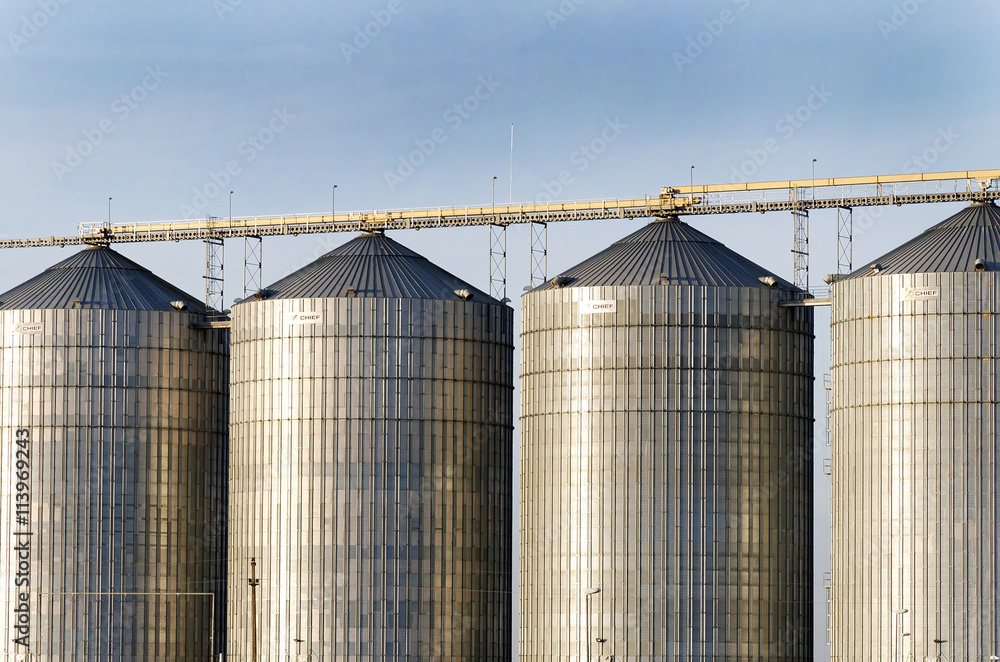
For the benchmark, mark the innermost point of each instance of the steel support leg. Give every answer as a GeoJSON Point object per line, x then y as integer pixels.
{"type": "Point", "coordinates": [214, 274]}
{"type": "Point", "coordinates": [800, 248]}
{"type": "Point", "coordinates": [253, 258]}
{"type": "Point", "coordinates": [539, 253]}
{"type": "Point", "coordinates": [498, 261]}
{"type": "Point", "coordinates": [845, 239]}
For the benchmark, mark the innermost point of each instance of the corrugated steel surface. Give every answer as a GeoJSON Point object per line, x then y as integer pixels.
{"type": "Point", "coordinates": [96, 277]}
{"type": "Point", "coordinates": [667, 461]}
{"type": "Point", "coordinates": [124, 471]}
{"type": "Point", "coordinates": [950, 246]}
{"type": "Point", "coordinates": [371, 466]}
{"type": "Point", "coordinates": [666, 248]}
{"type": "Point", "coordinates": [916, 484]}
{"type": "Point", "coordinates": [372, 265]}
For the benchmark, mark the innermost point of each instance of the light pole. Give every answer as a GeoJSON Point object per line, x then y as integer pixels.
{"type": "Point", "coordinates": [939, 642]}
{"type": "Point", "coordinates": [814, 180]}
{"type": "Point", "coordinates": [692, 181]}
{"type": "Point", "coordinates": [593, 591]}
{"type": "Point", "coordinates": [254, 583]}
{"type": "Point", "coordinates": [109, 210]}
{"type": "Point", "coordinates": [494, 203]}
{"type": "Point", "coordinates": [896, 642]}
{"type": "Point", "coordinates": [333, 205]}
{"type": "Point", "coordinates": [230, 207]}
{"type": "Point", "coordinates": [298, 651]}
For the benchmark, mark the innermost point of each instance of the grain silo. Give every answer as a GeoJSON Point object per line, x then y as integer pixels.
{"type": "Point", "coordinates": [666, 483]}
{"type": "Point", "coordinates": [371, 463]}
{"type": "Point", "coordinates": [112, 478]}
{"type": "Point", "coordinates": [915, 422]}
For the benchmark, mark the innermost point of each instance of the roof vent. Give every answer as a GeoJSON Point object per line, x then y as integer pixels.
{"type": "Point", "coordinates": [561, 281]}
{"type": "Point", "coordinates": [875, 268]}
{"type": "Point", "coordinates": [664, 279]}
{"type": "Point", "coordinates": [770, 281]}
{"type": "Point", "coordinates": [351, 292]}
{"type": "Point", "coordinates": [980, 265]}
{"type": "Point", "coordinates": [464, 294]}
{"type": "Point", "coordinates": [179, 305]}
{"type": "Point", "coordinates": [263, 293]}
{"type": "Point", "coordinates": [77, 303]}
{"type": "Point", "coordinates": [830, 279]}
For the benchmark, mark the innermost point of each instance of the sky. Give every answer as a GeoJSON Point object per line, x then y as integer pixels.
{"type": "Point", "coordinates": [165, 107]}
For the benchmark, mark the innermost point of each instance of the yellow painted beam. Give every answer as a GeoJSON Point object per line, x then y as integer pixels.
{"type": "Point", "coordinates": [977, 175]}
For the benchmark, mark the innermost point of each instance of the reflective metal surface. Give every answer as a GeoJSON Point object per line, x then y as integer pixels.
{"type": "Point", "coordinates": [124, 418]}
{"type": "Point", "coordinates": [370, 478]}
{"type": "Point", "coordinates": [915, 480]}
{"type": "Point", "coordinates": [667, 461]}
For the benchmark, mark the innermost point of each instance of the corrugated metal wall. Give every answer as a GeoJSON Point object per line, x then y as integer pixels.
{"type": "Point", "coordinates": [371, 478]}
{"type": "Point", "coordinates": [124, 414]}
{"type": "Point", "coordinates": [915, 422]}
{"type": "Point", "coordinates": [667, 460]}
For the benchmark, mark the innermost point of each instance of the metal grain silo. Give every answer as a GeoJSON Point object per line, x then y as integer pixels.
{"type": "Point", "coordinates": [371, 463]}
{"type": "Point", "coordinates": [666, 457]}
{"type": "Point", "coordinates": [112, 476]}
{"type": "Point", "coordinates": [915, 421]}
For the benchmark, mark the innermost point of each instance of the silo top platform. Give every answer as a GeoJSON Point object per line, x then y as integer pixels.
{"type": "Point", "coordinates": [97, 277]}
{"type": "Point", "coordinates": [666, 252]}
{"type": "Point", "coordinates": [953, 245]}
{"type": "Point", "coordinates": [373, 265]}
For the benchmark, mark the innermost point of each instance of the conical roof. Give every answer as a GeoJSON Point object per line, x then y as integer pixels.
{"type": "Point", "coordinates": [96, 277]}
{"type": "Point", "coordinates": [372, 265]}
{"type": "Point", "coordinates": [950, 246]}
{"type": "Point", "coordinates": [666, 251]}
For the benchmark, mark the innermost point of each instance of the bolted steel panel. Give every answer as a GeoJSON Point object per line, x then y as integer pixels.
{"type": "Point", "coordinates": [370, 477]}
{"type": "Point", "coordinates": [666, 460]}
{"type": "Point", "coordinates": [123, 415]}
{"type": "Point", "coordinates": [914, 464]}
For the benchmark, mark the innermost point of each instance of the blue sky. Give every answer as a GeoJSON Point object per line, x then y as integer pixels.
{"type": "Point", "coordinates": [162, 96]}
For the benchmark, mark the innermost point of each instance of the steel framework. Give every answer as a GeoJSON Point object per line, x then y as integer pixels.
{"type": "Point", "coordinates": [843, 194]}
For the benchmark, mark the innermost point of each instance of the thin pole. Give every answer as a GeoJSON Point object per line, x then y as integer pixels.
{"type": "Point", "coordinates": [589, 658]}
{"type": "Point", "coordinates": [109, 210]}
{"type": "Point", "coordinates": [333, 205]}
{"type": "Point", "coordinates": [510, 200]}
{"type": "Point", "coordinates": [254, 583]}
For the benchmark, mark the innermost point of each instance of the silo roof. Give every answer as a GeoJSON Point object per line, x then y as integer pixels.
{"type": "Point", "coordinates": [952, 245]}
{"type": "Point", "coordinates": [666, 251]}
{"type": "Point", "coordinates": [96, 277]}
{"type": "Point", "coordinates": [372, 265]}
